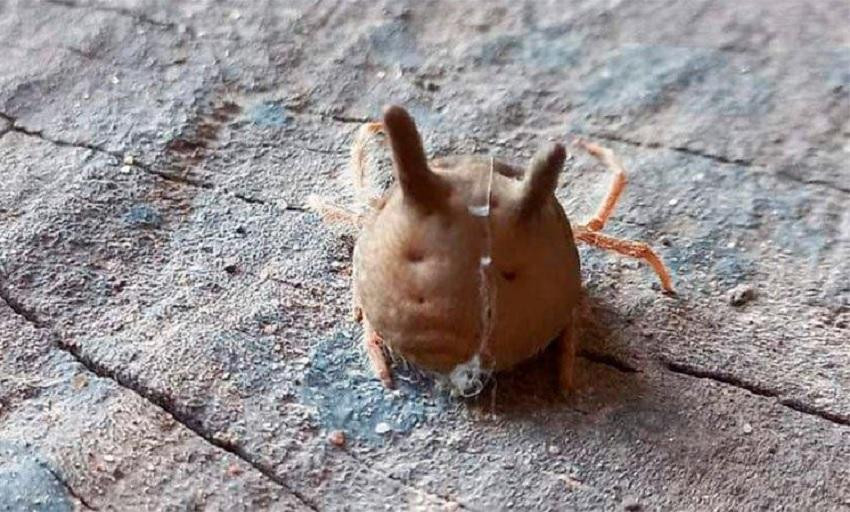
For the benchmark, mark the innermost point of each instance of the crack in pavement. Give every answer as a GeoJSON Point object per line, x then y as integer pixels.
{"type": "Point", "coordinates": [818, 183]}
{"type": "Point", "coordinates": [679, 149]}
{"type": "Point", "coordinates": [347, 119]}
{"type": "Point", "coordinates": [716, 158]}
{"type": "Point", "coordinates": [756, 389]}
{"type": "Point", "coordinates": [14, 126]}
{"type": "Point", "coordinates": [286, 207]}
{"type": "Point", "coordinates": [116, 10]}
{"type": "Point", "coordinates": [156, 398]}
{"type": "Point", "coordinates": [303, 110]}
{"type": "Point", "coordinates": [167, 405]}
{"type": "Point", "coordinates": [249, 199]}
{"type": "Point", "coordinates": [67, 487]}
{"type": "Point", "coordinates": [608, 360]}
{"type": "Point", "coordinates": [17, 307]}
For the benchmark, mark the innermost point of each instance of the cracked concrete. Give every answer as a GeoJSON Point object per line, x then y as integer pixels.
{"type": "Point", "coordinates": [718, 158]}
{"type": "Point", "coordinates": [174, 325]}
{"type": "Point", "coordinates": [757, 389]}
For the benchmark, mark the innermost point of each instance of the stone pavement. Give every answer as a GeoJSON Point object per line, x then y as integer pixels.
{"type": "Point", "coordinates": [174, 325]}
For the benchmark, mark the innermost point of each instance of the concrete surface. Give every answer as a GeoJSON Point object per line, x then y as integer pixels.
{"type": "Point", "coordinates": [174, 326]}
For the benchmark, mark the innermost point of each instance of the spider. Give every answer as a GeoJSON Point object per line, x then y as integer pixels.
{"type": "Point", "coordinates": [468, 258]}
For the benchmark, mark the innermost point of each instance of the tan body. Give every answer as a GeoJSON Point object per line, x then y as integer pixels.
{"type": "Point", "coordinates": [419, 285]}
{"type": "Point", "coordinates": [418, 278]}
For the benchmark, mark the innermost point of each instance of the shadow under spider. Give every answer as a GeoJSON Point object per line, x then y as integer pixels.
{"type": "Point", "coordinates": [603, 378]}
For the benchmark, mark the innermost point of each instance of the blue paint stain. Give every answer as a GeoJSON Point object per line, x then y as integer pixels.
{"type": "Point", "coordinates": [339, 382]}
{"type": "Point", "coordinates": [643, 76]}
{"type": "Point", "coordinates": [28, 483]}
{"type": "Point", "coordinates": [542, 51]}
{"type": "Point", "coordinates": [143, 216]}
{"type": "Point", "coordinates": [392, 44]}
{"type": "Point", "coordinates": [268, 113]}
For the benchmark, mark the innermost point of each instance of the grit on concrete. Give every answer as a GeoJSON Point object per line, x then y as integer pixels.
{"type": "Point", "coordinates": [174, 325]}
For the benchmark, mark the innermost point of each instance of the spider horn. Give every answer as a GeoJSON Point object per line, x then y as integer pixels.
{"type": "Point", "coordinates": [418, 182]}
{"type": "Point", "coordinates": [541, 178]}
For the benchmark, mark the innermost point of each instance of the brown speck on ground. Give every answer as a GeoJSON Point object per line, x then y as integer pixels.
{"type": "Point", "coordinates": [337, 438]}
{"type": "Point", "coordinates": [741, 295]}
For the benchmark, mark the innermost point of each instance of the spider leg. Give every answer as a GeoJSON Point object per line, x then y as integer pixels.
{"type": "Point", "coordinates": [628, 248]}
{"type": "Point", "coordinates": [330, 212]}
{"type": "Point", "coordinates": [607, 158]}
{"type": "Point", "coordinates": [357, 162]}
{"type": "Point", "coordinates": [375, 351]}
{"type": "Point", "coordinates": [567, 347]}
{"type": "Point", "coordinates": [356, 307]}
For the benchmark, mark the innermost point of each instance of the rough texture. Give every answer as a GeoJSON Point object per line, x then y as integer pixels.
{"type": "Point", "coordinates": [167, 303]}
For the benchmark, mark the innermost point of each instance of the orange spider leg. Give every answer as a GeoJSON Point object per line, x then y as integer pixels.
{"type": "Point", "coordinates": [337, 214]}
{"type": "Point", "coordinates": [629, 248]}
{"type": "Point", "coordinates": [358, 152]}
{"type": "Point", "coordinates": [607, 158]}
{"type": "Point", "coordinates": [375, 351]}
{"type": "Point", "coordinates": [331, 212]}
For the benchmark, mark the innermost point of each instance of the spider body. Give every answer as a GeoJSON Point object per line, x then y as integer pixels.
{"type": "Point", "coordinates": [446, 269]}
{"type": "Point", "coordinates": [418, 272]}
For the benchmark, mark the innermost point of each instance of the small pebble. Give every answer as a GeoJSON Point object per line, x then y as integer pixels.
{"type": "Point", "coordinates": [382, 427]}
{"type": "Point", "coordinates": [129, 160]}
{"type": "Point", "coordinates": [109, 458]}
{"type": "Point", "coordinates": [748, 429]}
{"type": "Point", "coordinates": [269, 329]}
{"type": "Point", "coordinates": [79, 381]}
{"type": "Point", "coordinates": [741, 295]}
{"type": "Point", "coordinates": [554, 449]}
{"type": "Point", "coordinates": [337, 438]}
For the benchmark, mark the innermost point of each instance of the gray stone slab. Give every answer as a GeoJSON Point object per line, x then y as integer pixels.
{"type": "Point", "coordinates": [113, 82]}
{"type": "Point", "coordinates": [191, 274]}
{"type": "Point", "coordinates": [71, 440]}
